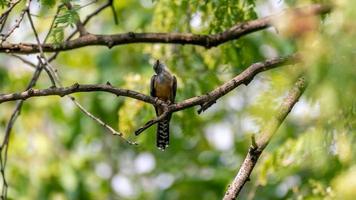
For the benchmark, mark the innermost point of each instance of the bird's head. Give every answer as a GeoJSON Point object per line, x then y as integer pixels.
{"type": "Point", "coordinates": [158, 66]}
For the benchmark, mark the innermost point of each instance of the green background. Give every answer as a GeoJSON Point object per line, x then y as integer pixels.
{"type": "Point", "coordinates": [56, 152]}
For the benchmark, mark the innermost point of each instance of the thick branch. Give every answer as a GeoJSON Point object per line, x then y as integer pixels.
{"type": "Point", "coordinates": [63, 91]}
{"type": "Point", "coordinates": [265, 136]}
{"type": "Point", "coordinates": [243, 78]}
{"type": "Point", "coordinates": [207, 41]}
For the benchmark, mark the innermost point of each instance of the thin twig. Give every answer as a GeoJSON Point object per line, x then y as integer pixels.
{"type": "Point", "coordinates": [48, 71]}
{"type": "Point", "coordinates": [99, 121]}
{"type": "Point", "coordinates": [4, 16]}
{"type": "Point", "coordinates": [9, 9]}
{"type": "Point", "coordinates": [48, 68]}
{"type": "Point", "coordinates": [16, 112]}
{"type": "Point", "coordinates": [52, 74]}
{"type": "Point", "coordinates": [116, 20]}
{"type": "Point", "coordinates": [152, 122]}
{"type": "Point", "coordinates": [52, 23]}
{"type": "Point", "coordinates": [3, 23]}
{"type": "Point", "coordinates": [17, 24]}
{"type": "Point", "coordinates": [97, 11]}
{"type": "Point", "coordinates": [86, 5]}
{"type": "Point", "coordinates": [5, 144]}
{"type": "Point", "coordinates": [31, 64]}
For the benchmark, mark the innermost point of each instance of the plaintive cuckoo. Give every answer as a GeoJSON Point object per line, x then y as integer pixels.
{"type": "Point", "coordinates": [164, 87]}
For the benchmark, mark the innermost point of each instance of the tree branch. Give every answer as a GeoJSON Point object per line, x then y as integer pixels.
{"type": "Point", "coordinates": [265, 136]}
{"type": "Point", "coordinates": [76, 88]}
{"type": "Point", "coordinates": [243, 78]}
{"type": "Point", "coordinates": [99, 121]}
{"type": "Point", "coordinates": [152, 122]}
{"type": "Point", "coordinates": [52, 23]}
{"type": "Point", "coordinates": [116, 20]}
{"type": "Point", "coordinates": [46, 66]}
{"type": "Point", "coordinates": [207, 41]}
{"type": "Point", "coordinates": [97, 11]}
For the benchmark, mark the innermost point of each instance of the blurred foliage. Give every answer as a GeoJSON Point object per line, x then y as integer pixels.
{"type": "Point", "coordinates": [3, 3]}
{"type": "Point", "coordinates": [56, 152]}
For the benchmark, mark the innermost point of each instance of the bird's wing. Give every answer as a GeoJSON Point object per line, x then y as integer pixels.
{"type": "Point", "coordinates": [174, 89]}
{"type": "Point", "coordinates": [153, 90]}
{"type": "Point", "coordinates": [152, 86]}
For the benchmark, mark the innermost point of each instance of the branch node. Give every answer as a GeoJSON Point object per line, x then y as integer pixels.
{"type": "Point", "coordinates": [30, 91]}
{"type": "Point", "coordinates": [205, 106]}
{"type": "Point", "coordinates": [248, 80]}
{"type": "Point", "coordinates": [110, 44]}
{"type": "Point", "coordinates": [76, 85]}
{"type": "Point", "coordinates": [253, 142]}
{"type": "Point", "coordinates": [153, 121]}
{"type": "Point", "coordinates": [254, 153]}
{"type": "Point", "coordinates": [207, 42]}
{"type": "Point", "coordinates": [157, 101]}
{"type": "Point", "coordinates": [131, 34]}
{"type": "Point", "coordinates": [108, 83]}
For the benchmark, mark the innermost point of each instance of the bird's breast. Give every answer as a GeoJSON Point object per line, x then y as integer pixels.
{"type": "Point", "coordinates": [163, 90]}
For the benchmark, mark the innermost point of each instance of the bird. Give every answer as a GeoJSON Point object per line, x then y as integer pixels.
{"type": "Point", "coordinates": [164, 87]}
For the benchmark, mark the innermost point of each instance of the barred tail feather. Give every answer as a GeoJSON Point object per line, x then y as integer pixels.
{"type": "Point", "coordinates": [163, 134]}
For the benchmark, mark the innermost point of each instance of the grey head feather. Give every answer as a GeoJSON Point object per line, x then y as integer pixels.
{"type": "Point", "coordinates": [159, 67]}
